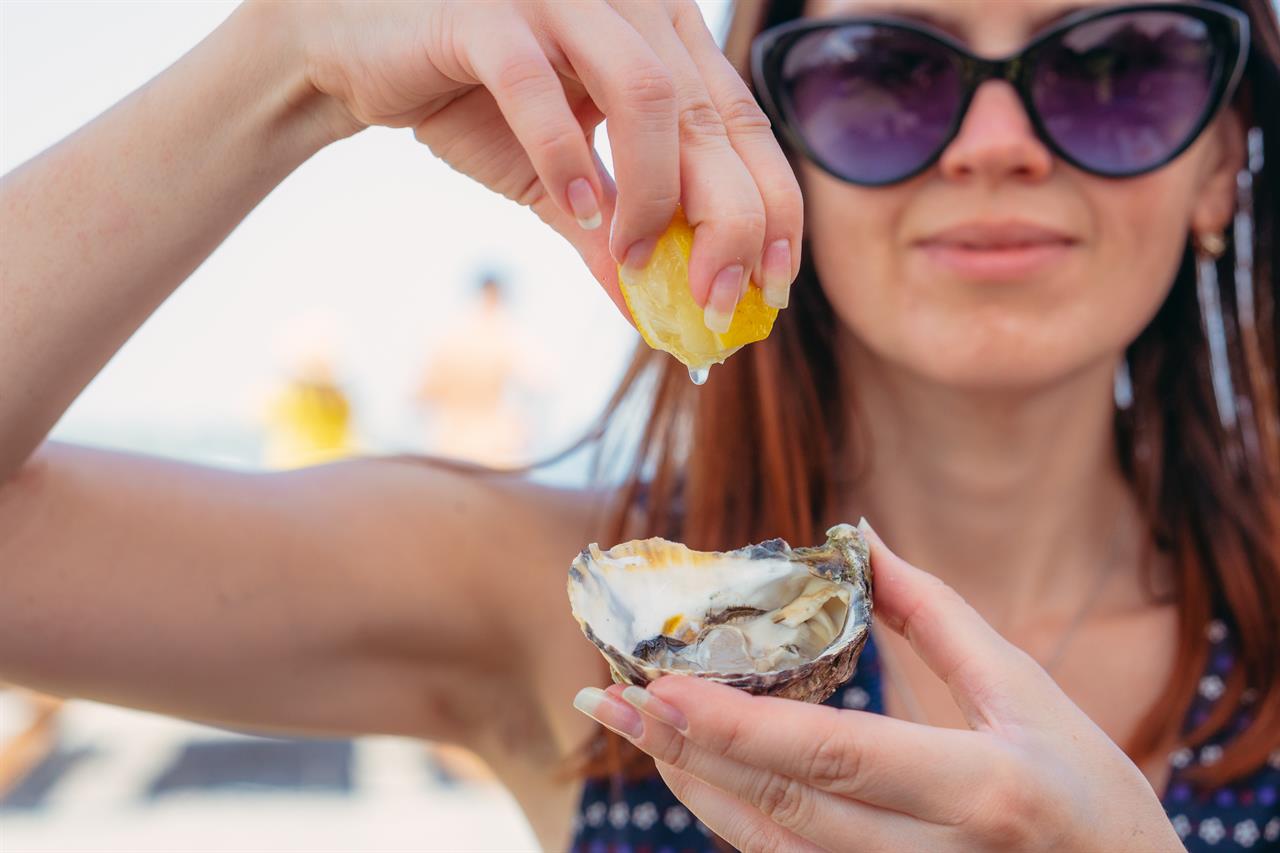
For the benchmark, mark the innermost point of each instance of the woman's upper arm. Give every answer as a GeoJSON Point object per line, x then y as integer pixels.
{"type": "Point", "coordinates": [362, 596]}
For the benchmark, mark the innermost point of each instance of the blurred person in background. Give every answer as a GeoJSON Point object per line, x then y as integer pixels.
{"type": "Point", "coordinates": [1093, 664]}
{"type": "Point", "coordinates": [470, 385]}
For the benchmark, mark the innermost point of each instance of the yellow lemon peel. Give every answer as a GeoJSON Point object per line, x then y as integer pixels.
{"type": "Point", "coordinates": [663, 309]}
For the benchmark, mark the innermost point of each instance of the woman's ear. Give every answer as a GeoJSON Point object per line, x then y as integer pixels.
{"type": "Point", "coordinates": [1216, 197]}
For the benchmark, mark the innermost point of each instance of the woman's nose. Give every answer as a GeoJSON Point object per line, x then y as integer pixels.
{"type": "Point", "coordinates": [996, 140]}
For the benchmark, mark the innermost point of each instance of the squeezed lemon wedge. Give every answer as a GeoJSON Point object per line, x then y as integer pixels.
{"type": "Point", "coordinates": [663, 309]}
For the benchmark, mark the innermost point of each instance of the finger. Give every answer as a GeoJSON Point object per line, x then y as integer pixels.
{"type": "Point", "coordinates": [608, 709]}
{"type": "Point", "coordinates": [718, 192]}
{"type": "Point", "coordinates": [748, 744]}
{"type": "Point", "coordinates": [503, 166]}
{"type": "Point", "coordinates": [593, 245]}
{"type": "Point", "coordinates": [631, 87]}
{"type": "Point", "coordinates": [512, 65]}
{"type": "Point", "coordinates": [734, 821]}
{"type": "Point", "coordinates": [824, 818]}
{"type": "Point", "coordinates": [984, 672]}
{"type": "Point", "coordinates": [753, 140]}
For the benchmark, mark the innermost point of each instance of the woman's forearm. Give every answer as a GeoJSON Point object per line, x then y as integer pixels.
{"type": "Point", "coordinates": [97, 231]}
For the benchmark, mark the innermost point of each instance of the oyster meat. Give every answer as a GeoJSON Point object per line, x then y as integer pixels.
{"type": "Point", "coordinates": [766, 618]}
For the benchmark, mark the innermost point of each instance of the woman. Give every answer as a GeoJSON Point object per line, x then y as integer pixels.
{"type": "Point", "coordinates": [955, 390]}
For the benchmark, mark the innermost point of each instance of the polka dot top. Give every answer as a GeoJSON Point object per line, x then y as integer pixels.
{"type": "Point", "coordinates": [618, 816]}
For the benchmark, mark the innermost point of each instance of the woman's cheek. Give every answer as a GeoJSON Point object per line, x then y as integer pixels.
{"type": "Point", "coordinates": [854, 240]}
{"type": "Point", "coordinates": [1142, 232]}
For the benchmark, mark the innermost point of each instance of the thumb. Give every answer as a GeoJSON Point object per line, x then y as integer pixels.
{"type": "Point", "coordinates": [985, 673]}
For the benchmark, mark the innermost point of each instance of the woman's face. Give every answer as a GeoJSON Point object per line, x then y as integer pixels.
{"type": "Point", "coordinates": [973, 331]}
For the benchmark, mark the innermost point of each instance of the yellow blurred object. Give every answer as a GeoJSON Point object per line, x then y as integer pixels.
{"type": "Point", "coordinates": [309, 423]}
{"type": "Point", "coordinates": [669, 320]}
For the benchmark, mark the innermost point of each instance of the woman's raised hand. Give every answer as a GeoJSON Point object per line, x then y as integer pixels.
{"type": "Point", "coordinates": [510, 92]}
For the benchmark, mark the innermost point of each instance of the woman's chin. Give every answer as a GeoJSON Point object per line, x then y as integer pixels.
{"type": "Point", "coordinates": [985, 378]}
{"type": "Point", "coordinates": [990, 365]}
{"type": "Point", "coordinates": [989, 345]}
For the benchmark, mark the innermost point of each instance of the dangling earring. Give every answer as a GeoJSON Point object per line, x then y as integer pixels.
{"type": "Point", "coordinates": [1242, 228]}
{"type": "Point", "coordinates": [1122, 384]}
{"type": "Point", "coordinates": [1242, 240]}
{"type": "Point", "coordinates": [1208, 248]}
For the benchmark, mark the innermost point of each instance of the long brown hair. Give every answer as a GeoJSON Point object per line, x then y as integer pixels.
{"type": "Point", "coordinates": [748, 456]}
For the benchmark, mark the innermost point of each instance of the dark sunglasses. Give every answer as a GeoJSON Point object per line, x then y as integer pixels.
{"type": "Point", "coordinates": [1115, 91]}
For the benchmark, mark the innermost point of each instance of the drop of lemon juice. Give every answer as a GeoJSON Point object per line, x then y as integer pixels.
{"type": "Point", "coordinates": [699, 374]}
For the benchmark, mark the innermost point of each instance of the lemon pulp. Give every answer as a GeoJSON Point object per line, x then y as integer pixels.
{"type": "Point", "coordinates": [663, 309]}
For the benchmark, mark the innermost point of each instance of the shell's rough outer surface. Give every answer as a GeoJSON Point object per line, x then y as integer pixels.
{"type": "Point", "coordinates": [766, 618]}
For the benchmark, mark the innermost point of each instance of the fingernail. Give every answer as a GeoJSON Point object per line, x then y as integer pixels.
{"type": "Point", "coordinates": [582, 200]}
{"type": "Point", "coordinates": [599, 706]}
{"type": "Point", "coordinates": [655, 707]}
{"type": "Point", "coordinates": [777, 274]}
{"type": "Point", "coordinates": [867, 530]}
{"type": "Point", "coordinates": [725, 290]}
{"type": "Point", "coordinates": [639, 254]}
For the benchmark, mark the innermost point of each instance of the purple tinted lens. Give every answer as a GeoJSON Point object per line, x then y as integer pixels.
{"type": "Point", "coordinates": [874, 103]}
{"type": "Point", "coordinates": [1123, 93]}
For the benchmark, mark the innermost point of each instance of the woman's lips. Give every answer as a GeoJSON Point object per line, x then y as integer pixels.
{"type": "Point", "coordinates": [997, 249]}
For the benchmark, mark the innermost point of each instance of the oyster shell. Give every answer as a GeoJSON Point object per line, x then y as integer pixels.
{"type": "Point", "coordinates": [766, 618]}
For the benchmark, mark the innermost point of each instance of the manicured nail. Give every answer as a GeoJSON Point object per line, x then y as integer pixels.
{"type": "Point", "coordinates": [655, 707]}
{"type": "Point", "coordinates": [777, 274]}
{"type": "Point", "coordinates": [607, 711]}
{"type": "Point", "coordinates": [867, 530]}
{"type": "Point", "coordinates": [582, 200]}
{"type": "Point", "coordinates": [639, 254]}
{"type": "Point", "coordinates": [725, 290]}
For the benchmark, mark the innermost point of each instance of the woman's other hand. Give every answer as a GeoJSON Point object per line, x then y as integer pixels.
{"type": "Point", "coordinates": [510, 93]}
{"type": "Point", "coordinates": [1033, 772]}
